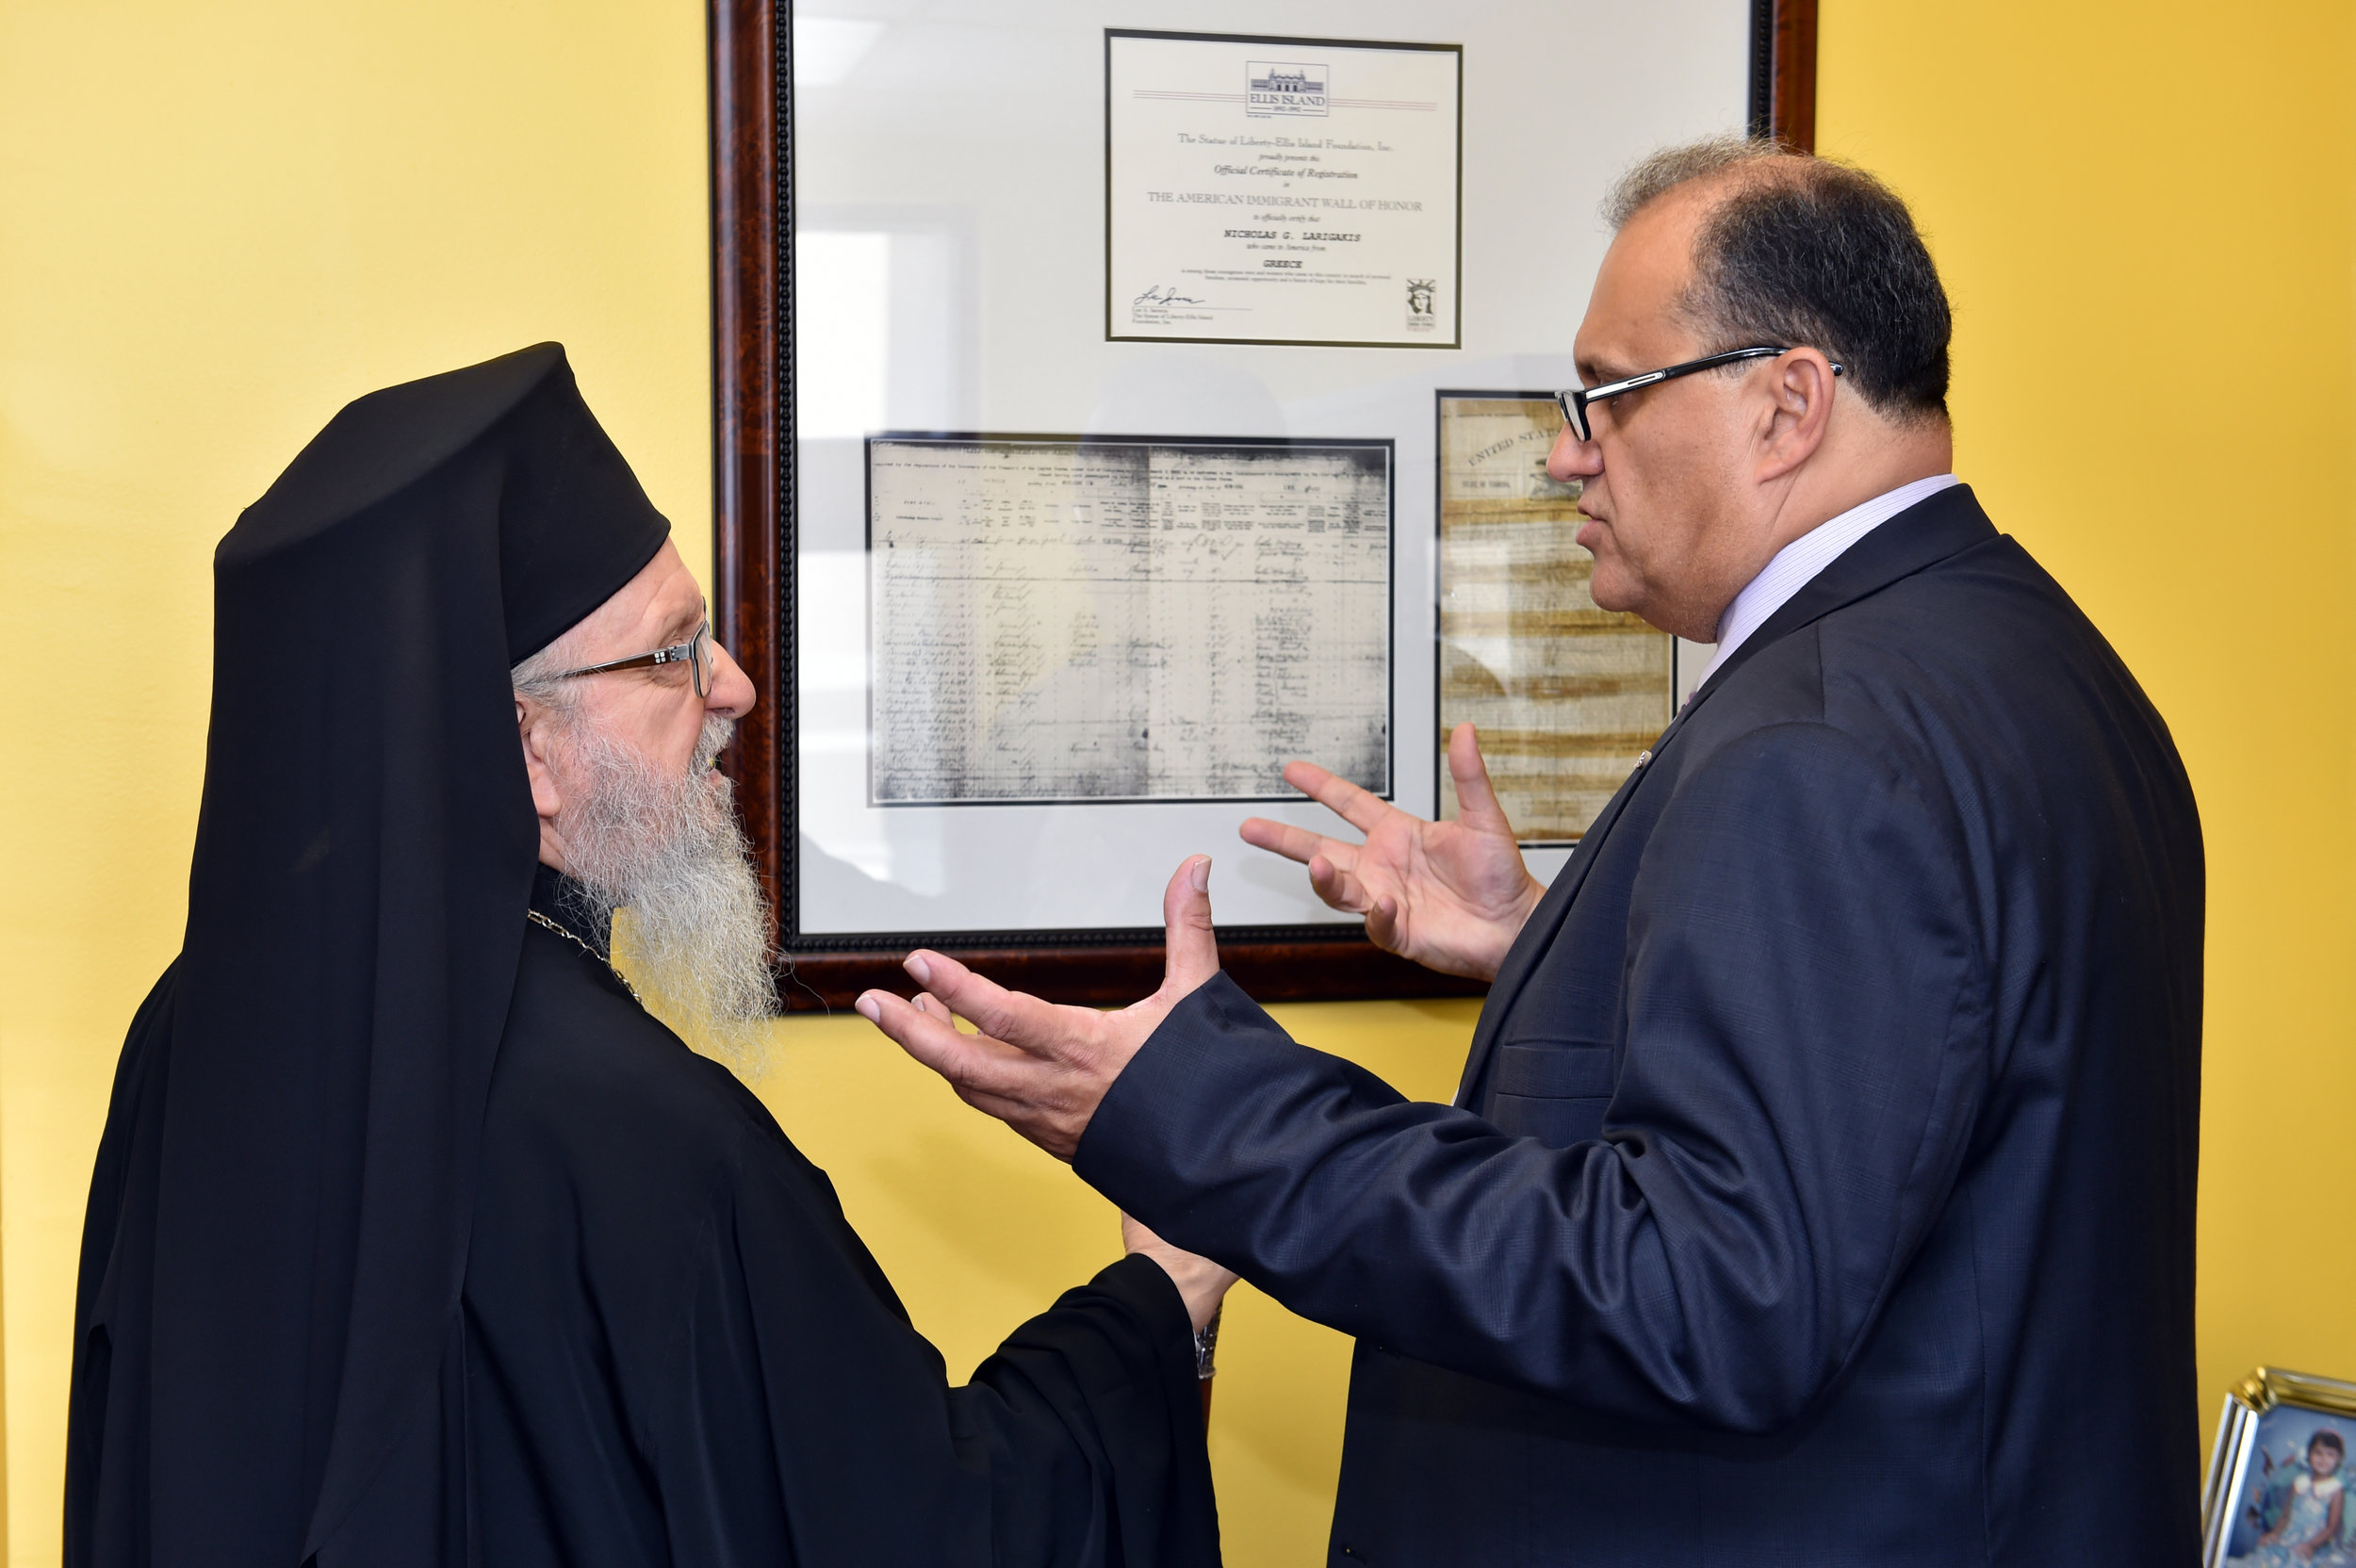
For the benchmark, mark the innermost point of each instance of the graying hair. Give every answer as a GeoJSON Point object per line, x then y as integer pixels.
{"type": "Point", "coordinates": [538, 677]}
{"type": "Point", "coordinates": [668, 848]}
{"type": "Point", "coordinates": [1671, 167]}
{"type": "Point", "coordinates": [1803, 251]}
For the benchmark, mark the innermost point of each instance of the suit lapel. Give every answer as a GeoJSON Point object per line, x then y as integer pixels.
{"type": "Point", "coordinates": [1923, 535]}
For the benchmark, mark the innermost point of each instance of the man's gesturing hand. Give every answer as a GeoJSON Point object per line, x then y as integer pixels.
{"type": "Point", "coordinates": [1040, 1069]}
{"type": "Point", "coordinates": [1450, 895]}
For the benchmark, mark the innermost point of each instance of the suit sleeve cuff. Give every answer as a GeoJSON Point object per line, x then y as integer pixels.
{"type": "Point", "coordinates": [1215, 1044]}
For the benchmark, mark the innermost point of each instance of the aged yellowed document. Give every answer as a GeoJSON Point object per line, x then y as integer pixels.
{"type": "Point", "coordinates": [1566, 695]}
{"type": "Point", "coordinates": [1126, 620]}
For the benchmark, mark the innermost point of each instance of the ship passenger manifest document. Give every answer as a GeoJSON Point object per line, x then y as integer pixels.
{"type": "Point", "coordinates": [1055, 620]}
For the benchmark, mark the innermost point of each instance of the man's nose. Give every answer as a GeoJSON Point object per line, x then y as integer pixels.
{"type": "Point", "coordinates": [732, 692]}
{"type": "Point", "coordinates": [1573, 458]}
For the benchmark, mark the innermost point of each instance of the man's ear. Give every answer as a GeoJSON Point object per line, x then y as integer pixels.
{"type": "Point", "coordinates": [536, 726]}
{"type": "Point", "coordinates": [1801, 390]}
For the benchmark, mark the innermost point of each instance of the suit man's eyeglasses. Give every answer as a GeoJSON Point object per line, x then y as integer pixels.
{"type": "Point", "coordinates": [695, 653]}
{"type": "Point", "coordinates": [1575, 400]}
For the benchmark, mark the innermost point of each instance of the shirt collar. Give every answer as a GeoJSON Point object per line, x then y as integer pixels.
{"type": "Point", "coordinates": [1797, 564]}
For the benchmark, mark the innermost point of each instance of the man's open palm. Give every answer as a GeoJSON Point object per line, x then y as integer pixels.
{"type": "Point", "coordinates": [1040, 1069]}
{"type": "Point", "coordinates": [1450, 895]}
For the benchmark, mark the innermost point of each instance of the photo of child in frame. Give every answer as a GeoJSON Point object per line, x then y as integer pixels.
{"type": "Point", "coordinates": [2295, 1508]}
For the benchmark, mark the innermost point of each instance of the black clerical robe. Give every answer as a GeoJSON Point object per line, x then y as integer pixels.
{"type": "Point", "coordinates": [673, 1348]}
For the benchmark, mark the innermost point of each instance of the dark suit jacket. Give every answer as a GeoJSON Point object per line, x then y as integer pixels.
{"type": "Point", "coordinates": [1822, 1191]}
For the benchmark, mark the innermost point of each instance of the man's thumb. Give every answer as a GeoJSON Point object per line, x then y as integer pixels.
{"type": "Point", "coordinates": [1191, 955]}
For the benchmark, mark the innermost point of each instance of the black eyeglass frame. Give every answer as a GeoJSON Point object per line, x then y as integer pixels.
{"type": "Point", "coordinates": [695, 653]}
{"type": "Point", "coordinates": [1574, 400]}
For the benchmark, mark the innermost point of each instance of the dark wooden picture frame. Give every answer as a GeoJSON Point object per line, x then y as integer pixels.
{"type": "Point", "coordinates": [751, 105]}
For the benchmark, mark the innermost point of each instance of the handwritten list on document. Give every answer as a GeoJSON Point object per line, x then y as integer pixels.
{"type": "Point", "coordinates": [1055, 620]}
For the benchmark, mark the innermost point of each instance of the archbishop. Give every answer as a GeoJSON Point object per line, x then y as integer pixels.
{"type": "Point", "coordinates": [415, 1238]}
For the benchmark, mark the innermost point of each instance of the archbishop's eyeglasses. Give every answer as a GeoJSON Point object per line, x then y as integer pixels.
{"type": "Point", "coordinates": [1575, 400]}
{"type": "Point", "coordinates": [695, 653]}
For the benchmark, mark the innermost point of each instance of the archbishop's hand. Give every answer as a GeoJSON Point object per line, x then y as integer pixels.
{"type": "Point", "coordinates": [1450, 895]}
{"type": "Point", "coordinates": [1040, 1069]}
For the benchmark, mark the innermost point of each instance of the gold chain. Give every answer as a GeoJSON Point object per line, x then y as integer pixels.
{"type": "Point", "coordinates": [539, 919]}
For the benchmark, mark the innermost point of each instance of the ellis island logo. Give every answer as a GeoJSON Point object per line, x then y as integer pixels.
{"type": "Point", "coordinates": [1285, 89]}
{"type": "Point", "coordinates": [1419, 317]}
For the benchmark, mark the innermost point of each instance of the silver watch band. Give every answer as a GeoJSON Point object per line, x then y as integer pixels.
{"type": "Point", "coordinates": [1206, 1344]}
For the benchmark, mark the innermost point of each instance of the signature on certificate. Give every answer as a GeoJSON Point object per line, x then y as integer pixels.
{"type": "Point", "coordinates": [1157, 295]}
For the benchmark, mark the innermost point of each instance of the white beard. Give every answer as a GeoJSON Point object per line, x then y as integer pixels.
{"type": "Point", "coordinates": [668, 849]}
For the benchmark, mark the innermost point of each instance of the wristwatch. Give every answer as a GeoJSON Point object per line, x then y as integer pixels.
{"type": "Point", "coordinates": [1205, 1343]}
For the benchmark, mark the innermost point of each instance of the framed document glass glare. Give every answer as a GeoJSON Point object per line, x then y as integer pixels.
{"type": "Point", "coordinates": [925, 341]}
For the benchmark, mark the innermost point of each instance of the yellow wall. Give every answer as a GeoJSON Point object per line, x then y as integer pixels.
{"type": "Point", "coordinates": [218, 222]}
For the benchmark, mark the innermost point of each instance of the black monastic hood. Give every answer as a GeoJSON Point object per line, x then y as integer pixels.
{"type": "Point", "coordinates": [279, 1224]}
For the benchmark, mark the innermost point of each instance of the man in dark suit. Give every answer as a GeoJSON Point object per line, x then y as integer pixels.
{"type": "Point", "coordinates": [1821, 1185]}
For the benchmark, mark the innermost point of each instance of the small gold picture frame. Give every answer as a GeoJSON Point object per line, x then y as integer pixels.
{"type": "Point", "coordinates": [2280, 1494]}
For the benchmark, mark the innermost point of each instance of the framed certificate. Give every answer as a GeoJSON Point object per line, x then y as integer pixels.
{"type": "Point", "coordinates": [1054, 517]}
{"type": "Point", "coordinates": [1566, 695]}
{"type": "Point", "coordinates": [1282, 191]}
